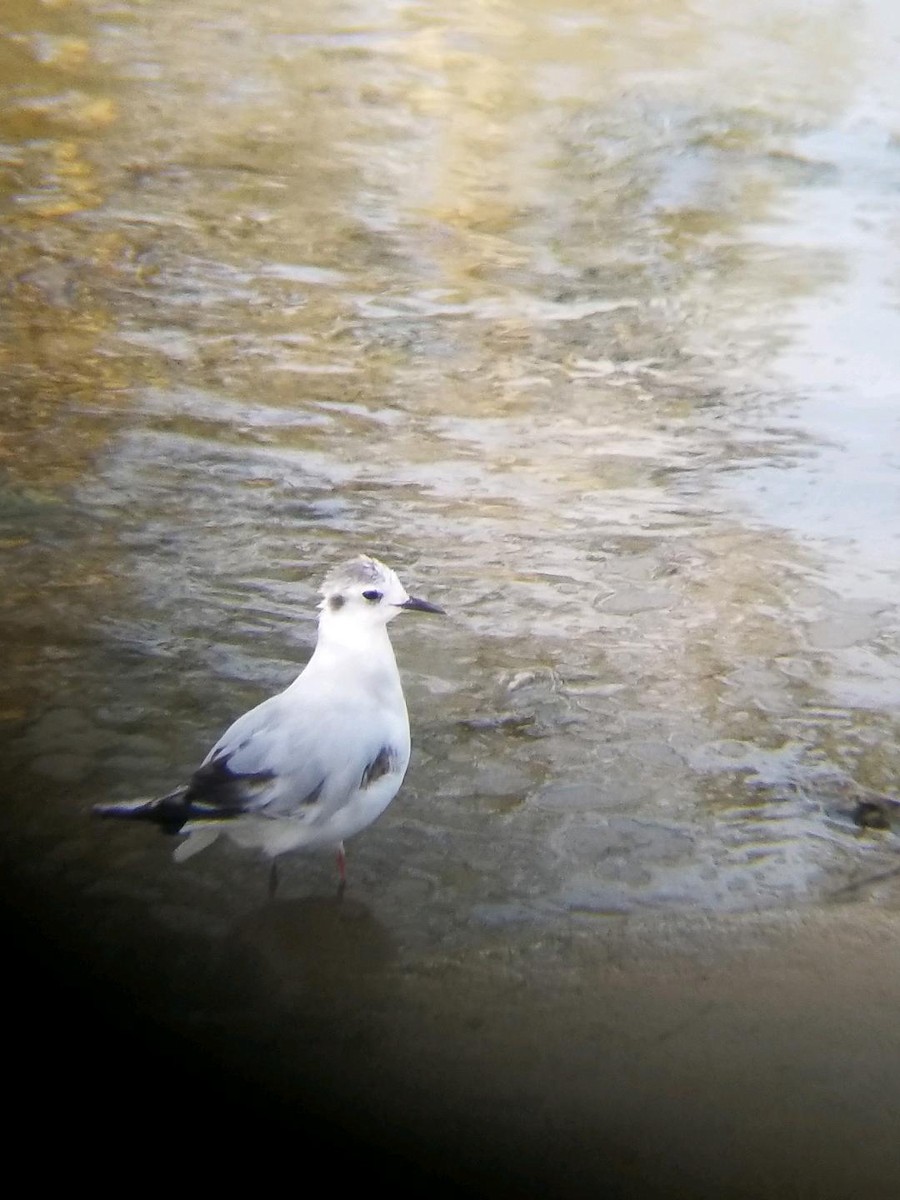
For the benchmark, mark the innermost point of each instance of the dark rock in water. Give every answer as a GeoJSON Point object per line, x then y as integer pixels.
{"type": "Point", "coordinates": [875, 812]}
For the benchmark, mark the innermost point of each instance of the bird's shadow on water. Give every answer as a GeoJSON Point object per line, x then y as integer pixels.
{"type": "Point", "coordinates": [305, 986]}
{"type": "Point", "coordinates": [320, 952]}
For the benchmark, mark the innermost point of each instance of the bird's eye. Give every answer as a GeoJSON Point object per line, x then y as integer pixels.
{"type": "Point", "coordinates": [372, 595]}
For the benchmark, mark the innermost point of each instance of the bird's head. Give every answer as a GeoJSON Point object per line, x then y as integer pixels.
{"type": "Point", "coordinates": [367, 592]}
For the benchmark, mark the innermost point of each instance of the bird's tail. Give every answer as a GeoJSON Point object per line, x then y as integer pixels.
{"type": "Point", "coordinates": [170, 812]}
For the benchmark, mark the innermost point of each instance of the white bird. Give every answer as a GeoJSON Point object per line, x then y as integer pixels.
{"type": "Point", "coordinates": [318, 762]}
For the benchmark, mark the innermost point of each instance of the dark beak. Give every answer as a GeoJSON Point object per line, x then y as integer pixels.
{"type": "Point", "coordinates": [418, 605]}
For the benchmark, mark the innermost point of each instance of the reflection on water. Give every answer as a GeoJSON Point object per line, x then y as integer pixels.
{"type": "Point", "coordinates": [581, 315]}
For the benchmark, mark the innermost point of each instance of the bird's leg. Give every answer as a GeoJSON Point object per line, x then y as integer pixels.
{"type": "Point", "coordinates": [273, 879]}
{"type": "Point", "coordinates": [342, 869]}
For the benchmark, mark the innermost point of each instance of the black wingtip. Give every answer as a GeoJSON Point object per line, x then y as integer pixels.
{"type": "Point", "coordinates": [168, 812]}
{"type": "Point", "coordinates": [131, 810]}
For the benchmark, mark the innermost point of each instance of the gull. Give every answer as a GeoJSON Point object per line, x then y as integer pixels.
{"type": "Point", "coordinates": [319, 762]}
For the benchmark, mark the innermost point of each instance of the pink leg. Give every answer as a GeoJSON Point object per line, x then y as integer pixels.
{"type": "Point", "coordinates": [342, 864]}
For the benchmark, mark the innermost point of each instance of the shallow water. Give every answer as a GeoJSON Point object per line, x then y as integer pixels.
{"type": "Point", "coordinates": [584, 318]}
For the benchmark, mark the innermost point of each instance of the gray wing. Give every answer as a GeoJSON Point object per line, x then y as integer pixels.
{"type": "Point", "coordinates": [285, 757]}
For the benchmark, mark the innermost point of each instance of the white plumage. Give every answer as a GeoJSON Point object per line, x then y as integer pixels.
{"type": "Point", "coordinates": [323, 759]}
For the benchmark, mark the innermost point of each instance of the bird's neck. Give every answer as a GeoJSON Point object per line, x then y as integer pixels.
{"type": "Point", "coordinates": [340, 639]}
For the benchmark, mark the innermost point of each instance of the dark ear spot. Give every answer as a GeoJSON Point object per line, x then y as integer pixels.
{"type": "Point", "coordinates": [335, 602]}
